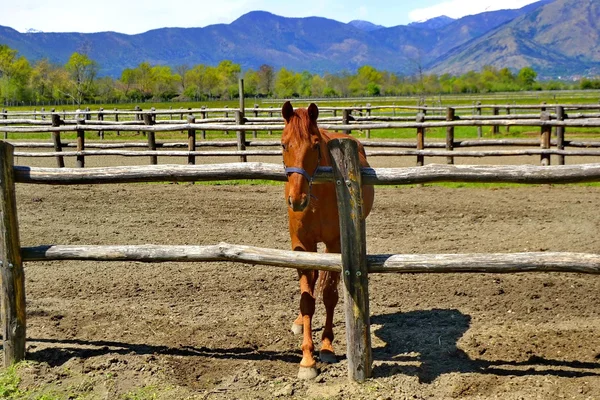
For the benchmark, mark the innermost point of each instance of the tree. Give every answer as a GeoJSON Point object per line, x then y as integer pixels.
{"type": "Point", "coordinates": [527, 77]}
{"type": "Point", "coordinates": [286, 83]}
{"type": "Point", "coordinates": [266, 80]}
{"type": "Point", "coordinates": [229, 74]}
{"type": "Point", "coordinates": [14, 74]}
{"type": "Point", "coordinates": [82, 73]}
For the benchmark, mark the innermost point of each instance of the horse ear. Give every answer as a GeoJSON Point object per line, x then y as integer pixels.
{"type": "Point", "coordinates": [313, 112]}
{"type": "Point", "coordinates": [287, 111]}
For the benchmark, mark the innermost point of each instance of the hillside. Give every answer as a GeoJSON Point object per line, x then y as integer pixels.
{"type": "Point", "coordinates": [555, 37]}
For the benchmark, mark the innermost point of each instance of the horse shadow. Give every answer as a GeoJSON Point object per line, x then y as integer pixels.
{"type": "Point", "coordinates": [425, 344]}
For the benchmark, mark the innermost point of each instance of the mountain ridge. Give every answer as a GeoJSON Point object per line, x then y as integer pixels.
{"type": "Point", "coordinates": [533, 35]}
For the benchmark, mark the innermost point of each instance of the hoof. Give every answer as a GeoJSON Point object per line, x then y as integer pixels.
{"type": "Point", "coordinates": [307, 373]}
{"type": "Point", "coordinates": [297, 329]}
{"type": "Point", "coordinates": [327, 357]}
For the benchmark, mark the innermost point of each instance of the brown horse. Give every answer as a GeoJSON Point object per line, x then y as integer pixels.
{"type": "Point", "coordinates": [313, 219]}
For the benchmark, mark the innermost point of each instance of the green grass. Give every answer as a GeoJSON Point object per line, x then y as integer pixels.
{"type": "Point", "coordinates": [9, 386]}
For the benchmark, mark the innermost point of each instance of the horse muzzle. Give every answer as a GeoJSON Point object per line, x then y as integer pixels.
{"type": "Point", "coordinates": [299, 204]}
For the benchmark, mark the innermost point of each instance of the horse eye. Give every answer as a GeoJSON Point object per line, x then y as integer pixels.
{"type": "Point", "coordinates": [316, 146]}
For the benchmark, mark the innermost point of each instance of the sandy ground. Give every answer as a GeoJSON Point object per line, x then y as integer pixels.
{"type": "Point", "coordinates": [221, 330]}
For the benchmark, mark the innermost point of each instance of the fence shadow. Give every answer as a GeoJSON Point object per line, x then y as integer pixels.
{"type": "Point", "coordinates": [424, 343]}
{"type": "Point", "coordinates": [418, 343]}
{"type": "Point", "coordinates": [56, 356]}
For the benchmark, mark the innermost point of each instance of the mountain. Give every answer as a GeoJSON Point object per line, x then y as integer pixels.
{"type": "Point", "coordinates": [365, 25]}
{"type": "Point", "coordinates": [553, 36]}
{"type": "Point", "coordinates": [433, 23]}
{"type": "Point", "coordinates": [560, 38]}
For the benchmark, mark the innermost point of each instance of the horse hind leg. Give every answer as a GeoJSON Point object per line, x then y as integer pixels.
{"type": "Point", "coordinates": [328, 283]}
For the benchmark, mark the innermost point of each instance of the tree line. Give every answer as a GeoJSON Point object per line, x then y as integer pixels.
{"type": "Point", "coordinates": [78, 82]}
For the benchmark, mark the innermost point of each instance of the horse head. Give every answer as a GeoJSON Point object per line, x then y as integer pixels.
{"type": "Point", "coordinates": [301, 144]}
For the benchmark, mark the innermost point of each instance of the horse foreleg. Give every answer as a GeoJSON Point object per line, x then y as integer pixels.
{"type": "Point", "coordinates": [329, 285]}
{"type": "Point", "coordinates": [308, 364]}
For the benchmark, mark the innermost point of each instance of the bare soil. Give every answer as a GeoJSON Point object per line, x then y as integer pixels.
{"type": "Point", "coordinates": [221, 330]}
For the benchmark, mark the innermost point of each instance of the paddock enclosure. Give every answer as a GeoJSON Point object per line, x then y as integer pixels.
{"type": "Point", "coordinates": [221, 329]}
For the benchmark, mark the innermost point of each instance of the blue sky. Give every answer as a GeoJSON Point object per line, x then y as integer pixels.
{"type": "Point", "coordinates": [137, 16]}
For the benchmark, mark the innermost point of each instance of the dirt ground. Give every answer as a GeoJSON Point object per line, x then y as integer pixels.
{"type": "Point", "coordinates": [221, 330]}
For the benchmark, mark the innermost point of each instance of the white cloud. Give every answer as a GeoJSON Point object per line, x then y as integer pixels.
{"type": "Point", "coordinates": [460, 8]}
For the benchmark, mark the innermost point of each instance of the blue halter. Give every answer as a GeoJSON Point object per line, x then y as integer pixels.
{"type": "Point", "coordinates": [306, 175]}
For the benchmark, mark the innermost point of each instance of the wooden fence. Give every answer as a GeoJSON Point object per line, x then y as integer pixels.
{"type": "Point", "coordinates": [546, 146]}
{"type": "Point", "coordinates": [353, 262]}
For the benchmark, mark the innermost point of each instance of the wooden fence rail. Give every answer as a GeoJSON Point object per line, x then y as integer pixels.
{"type": "Point", "coordinates": [353, 261]}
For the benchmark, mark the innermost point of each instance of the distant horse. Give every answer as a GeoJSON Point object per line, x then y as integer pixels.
{"type": "Point", "coordinates": [313, 218]}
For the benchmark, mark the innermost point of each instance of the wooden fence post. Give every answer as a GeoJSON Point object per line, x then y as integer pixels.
{"type": "Point", "coordinates": [241, 135]}
{"type": "Point", "coordinates": [348, 181]}
{"type": "Point", "coordinates": [138, 117]}
{"type": "Point", "coordinates": [56, 121]}
{"type": "Point", "coordinates": [560, 134]}
{"type": "Point", "coordinates": [101, 118]}
{"type": "Point", "coordinates": [368, 131]}
{"type": "Point", "coordinates": [479, 128]}
{"type": "Point", "coordinates": [420, 140]}
{"type": "Point", "coordinates": [5, 116]}
{"type": "Point", "coordinates": [450, 113]}
{"type": "Point", "coordinates": [149, 121]}
{"type": "Point", "coordinates": [80, 143]}
{"type": "Point", "coordinates": [545, 138]}
{"type": "Point", "coordinates": [496, 128]}
{"type": "Point", "coordinates": [346, 120]}
{"type": "Point", "coordinates": [203, 113]}
{"type": "Point", "coordinates": [226, 115]}
{"type": "Point", "coordinates": [117, 120]}
{"type": "Point", "coordinates": [191, 140]}
{"type": "Point", "coordinates": [507, 113]}
{"type": "Point", "coordinates": [270, 116]}
{"type": "Point", "coordinates": [11, 265]}
{"type": "Point", "coordinates": [255, 133]}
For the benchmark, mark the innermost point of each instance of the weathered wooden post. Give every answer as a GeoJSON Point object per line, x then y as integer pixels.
{"type": "Point", "coordinates": [241, 135]}
{"type": "Point", "coordinates": [80, 143]}
{"type": "Point", "coordinates": [56, 121]}
{"type": "Point", "coordinates": [270, 116]}
{"type": "Point", "coordinates": [348, 181]}
{"type": "Point", "coordinates": [117, 120]}
{"type": "Point", "coordinates": [420, 139]}
{"type": "Point", "coordinates": [203, 113]}
{"type": "Point", "coordinates": [368, 131]}
{"type": "Point", "coordinates": [560, 134]}
{"type": "Point", "coordinates": [88, 115]}
{"type": "Point", "coordinates": [11, 265]}
{"type": "Point", "coordinates": [226, 115]}
{"type": "Point", "coordinates": [496, 128]}
{"type": "Point", "coordinates": [478, 112]}
{"type": "Point", "coordinates": [450, 114]}
{"type": "Point", "coordinates": [191, 140]}
{"type": "Point", "coordinates": [346, 120]}
{"type": "Point", "coordinates": [255, 133]}
{"type": "Point", "coordinates": [5, 116]}
{"type": "Point", "coordinates": [335, 115]}
{"type": "Point", "coordinates": [508, 113]}
{"type": "Point", "coordinates": [149, 121]}
{"type": "Point", "coordinates": [138, 116]}
{"type": "Point", "coordinates": [545, 138]}
{"type": "Point", "coordinates": [101, 118]}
